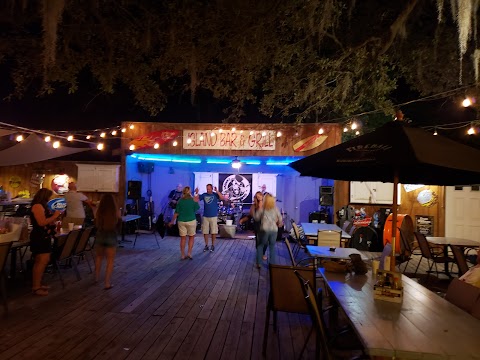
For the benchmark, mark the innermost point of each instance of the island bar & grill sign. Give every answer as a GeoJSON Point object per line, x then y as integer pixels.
{"type": "Point", "coordinates": [231, 140]}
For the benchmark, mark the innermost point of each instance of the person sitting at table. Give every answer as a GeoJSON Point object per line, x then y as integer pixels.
{"type": "Point", "coordinates": [106, 220]}
{"type": "Point", "coordinates": [41, 238]}
{"type": "Point", "coordinates": [472, 276]}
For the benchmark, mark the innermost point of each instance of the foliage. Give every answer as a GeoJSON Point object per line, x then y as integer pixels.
{"type": "Point", "coordinates": [296, 60]}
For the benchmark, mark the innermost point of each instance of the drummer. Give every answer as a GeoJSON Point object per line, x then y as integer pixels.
{"type": "Point", "coordinates": [227, 203]}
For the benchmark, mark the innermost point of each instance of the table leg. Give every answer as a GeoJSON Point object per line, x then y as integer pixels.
{"type": "Point", "coordinates": [13, 263]}
{"type": "Point", "coordinates": [445, 253]}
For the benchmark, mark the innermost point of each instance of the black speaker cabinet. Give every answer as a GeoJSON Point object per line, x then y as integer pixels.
{"type": "Point", "coordinates": [326, 190]}
{"type": "Point", "coordinates": [326, 200]}
{"type": "Point", "coordinates": [145, 167]}
{"type": "Point", "coordinates": [134, 190]}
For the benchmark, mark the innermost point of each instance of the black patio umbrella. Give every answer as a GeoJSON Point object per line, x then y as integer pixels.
{"type": "Point", "coordinates": [397, 153]}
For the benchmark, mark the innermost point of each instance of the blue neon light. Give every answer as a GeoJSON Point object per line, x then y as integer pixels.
{"type": "Point", "coordinates": [148, 157]}
{"type": "Point", "coordinates": [277, 162]}
{"type": "Point", "coordinates": [218, 161]}
{"type": "Point", "coordinates": [253, 162]}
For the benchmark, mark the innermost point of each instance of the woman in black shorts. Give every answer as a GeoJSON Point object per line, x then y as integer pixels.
{"type": "Point", "coordinates": [43, 231]}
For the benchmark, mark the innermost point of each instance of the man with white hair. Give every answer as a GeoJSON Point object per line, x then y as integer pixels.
{"type": "Point", "coordinates": [75, 201]}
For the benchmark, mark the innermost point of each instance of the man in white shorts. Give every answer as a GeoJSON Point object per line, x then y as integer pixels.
{"type": "Point", "coordinates": [210, 213]}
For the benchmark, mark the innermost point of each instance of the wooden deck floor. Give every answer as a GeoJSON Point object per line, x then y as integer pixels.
{"type": "Point", "coordinates": [211, 307]}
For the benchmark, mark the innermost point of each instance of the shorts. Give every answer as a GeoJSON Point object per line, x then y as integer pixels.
{"type": "Point", "coordinates": [187, 228]}
{"type": "Point", "coordinates": [41, 246]}
{"type": "Point", "coordinates": [106, 238]}
{"type": "Point", "coordinates": [209, 225]}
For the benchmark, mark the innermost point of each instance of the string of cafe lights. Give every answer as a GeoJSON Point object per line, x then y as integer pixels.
{"type": "Point", "coordinates": [352, 123]}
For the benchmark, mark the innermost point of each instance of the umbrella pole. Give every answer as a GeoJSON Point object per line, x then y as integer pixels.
{"type": "Point", "coordinates": [394, 220]}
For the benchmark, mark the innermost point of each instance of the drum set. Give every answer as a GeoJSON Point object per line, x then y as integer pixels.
{"type": "Point", "coordinates": [233, 212]}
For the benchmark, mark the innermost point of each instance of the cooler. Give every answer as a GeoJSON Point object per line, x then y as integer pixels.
{"type": "Point", "coordinates": [404, 222]}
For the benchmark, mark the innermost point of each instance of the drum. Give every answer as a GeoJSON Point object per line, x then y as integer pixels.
{"type": "Point", "coordinates": [405, 223]}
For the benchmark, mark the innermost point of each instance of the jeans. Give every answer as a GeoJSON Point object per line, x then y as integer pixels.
{"type": "Point", "coordinates": [265, 238]}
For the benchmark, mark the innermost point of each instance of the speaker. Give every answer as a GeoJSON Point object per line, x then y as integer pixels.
{"type": "Point", "coordinates": [326, 190]}
{"type": "Point", "coordinates": [145, 167]}
{"type": "Point", "coordinates": [134, 190]}
{"type": "Point", "coordinates": [326, 200]}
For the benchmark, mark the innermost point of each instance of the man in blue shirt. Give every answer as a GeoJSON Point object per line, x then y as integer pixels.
{"type": "Point", "coordinates": [210, 212]}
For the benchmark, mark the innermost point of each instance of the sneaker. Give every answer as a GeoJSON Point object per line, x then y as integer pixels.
{"type": "Point", "coordinates": [205, 248]}
{"type": "Point", "coordinates": [212, 248]}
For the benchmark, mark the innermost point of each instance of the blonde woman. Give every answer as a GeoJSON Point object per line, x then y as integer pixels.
{"type": "Point", "coordinates": [270, 219]}
{"type": "Point", "coordinates": [106, 220]}
{"type": "Point", "coordinates": [185, 211]}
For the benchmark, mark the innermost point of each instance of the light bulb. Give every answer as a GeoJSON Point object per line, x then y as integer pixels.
{"type": "Point", "coordinates": [132, 127]}
{"type": "Point", "coordinates": [175, 143]}
{"type": "Point", "coordinates": [264, 133]}
{"type": "Point", "coordinates": [114, 132]}
{"type": "Point", "coordinates": [156, 146]}
{"type": "Point", "coordinates": [189, 141]}
{"type": "Point", "coordinates": [233, 129]}
{"type": "Point", "coordinates": [466, 102]}
{"type": "Point", "coordinates": [435, 132]}
{"type": "Point", "coordinates": [131, 147]}
{"type": "Point", "coordinates": [345, 129]}
{"type": "Point", "coordinates": [56, 144]}
{"type": "Point", "coordinates": [320, 131]}
{"type": "Point", "coordinates": [220, 130]}
{"type": "Point", "coordinates": [69, 138]}
{"type": "Point", "coordinates": [88, 137]}
{"type": "Point", "coordinates": [471, 131]}
{"type": "Point", "coordinates": [354, 125]}
{"type": "Point", "coordinates": [19, 138]}
{"type": "Point", "coordinates": [251, 132]}
{"type": "Point", "coordinates": [100, 146]}
{"type": "Point", "coordinates": [201, 137]}
{"type": "Point", "coordinates": [212, 134]}
{"type": "Point", "coordinates": [47, 138]}
{"type": "Point", "coordinates": [102, 135]}
{"type": "Point", "coordinates": [241, 131]}
{"type": "Point", "coordinates": [123, 130]}
{"type": "Point", "coordinates": [357, 132]}
{"type": "Point", "coordinates": [279, 133]}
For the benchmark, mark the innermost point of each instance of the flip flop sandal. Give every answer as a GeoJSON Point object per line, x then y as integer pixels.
{"type": "Point", "coordinates": [40, 292]}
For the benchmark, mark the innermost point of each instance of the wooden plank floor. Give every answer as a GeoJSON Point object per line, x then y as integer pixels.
{"type": "Point", "coordinates": [211, 307]}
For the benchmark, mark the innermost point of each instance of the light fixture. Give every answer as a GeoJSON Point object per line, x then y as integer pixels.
{"type": "Point", "coordinates": [102, 135]}
{"type": "Point", "coordinates": [88, 137]}
{"type": "Point", "coordinates": [132, 127]}
{"type": "Point", "coordinates": [471, 131]}
{"type": "Point", "coordinates": [320, 131]}
{"type": "Point", "coordinates": [345, 129]}
{"type": "Point", "coordinates": [279, 133]}
{"type": "Point", "coordinates": [175, 143]}
{"type": "Point", "coordinates": [19, 138]}
{"type": "Point", "coordinates": [70, 138]}
{"type": "Point", "coordinates": [435, 132]}
{"type": "Point", "coordinates": [56, 144]}
{"type": "Point", "coordinates": [466, 102]}
{"type": "Point", "coordinates": [156, 146]}
{"type": "Point", "coordinates": [233, 129]}
{"type": "Point", "coordinates": [201, 137]}
{"type": "Point", "coordinates": [131, 147]}
{"type": "Point", "coordinates": [189, 141]}
{"type": "Point", "coordinates": [236, 164]}
{"type": "Point", "coordinates": [114, 132]}
{"type": "Point", "coordinates": [48, 138]}
{"type": "Point", "coordinates": [123, 130]}
{"type": "Point", "coordinates": [354, 125]}
{"type": "Point", "coordinates": [100, 146]}
{"type": "Point", "coordinates": [264, 133]}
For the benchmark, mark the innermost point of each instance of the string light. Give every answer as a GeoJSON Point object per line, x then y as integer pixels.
{"type": "Point", "coordinates": [467, 102]}
{"type": "Point", "coordinates": [233, 129]}
{"type": "Point", "coordinates": [264, 133]}
{"type": "Point", "coordinates": [56, 144]}
{"type": "Point", "coordinates": [320, 131]}
{"type": "Point", "coordinates": [131, 147]}
{"type": "Point", "coordinates": [102, 135]}
{"type": "Point", "coordinates": [19, 138]}
{"type": "Point", "coordinates": [279, 133]}
{"type": "Point", "coordinates": [189, 141]}
{"type": "Point", "coordinates": [471, 131]}
{"type": "Point", "coordinates": [212, 134]}
{"type": "Point", "coordinates": [435, 133]}
{"type": "Point", "coordinates": [345, 129]}
{"type": "Point", "coordinates": [88, 137]}
{"type": "Point", "coordinates": [220, 130]}
{"type": "Point", "coordinates": [357, 132]}
{"type": "Point", "coordinates": [132, 127]}
{"type": "Point", "coordinates": [251, 132]}
{"type": "Point", "coordinates": [156, 146]}
{"type": "Point", "coordinates": [114, 132]}
{"type": "Point", "coordinates": [175, 143]}
{"type": "Point", "coordinates": [69, 138]}
{"type": "Point", "coordinates": [123, 130]}
{"type": "Point", "coordinates": [354, 125]}
{"type": "Point", "coordinates": [100, 146]}
{"type": "Point", "coordinates": [201, 137]}
{"type": "Point", "coordinates": [48, 138]}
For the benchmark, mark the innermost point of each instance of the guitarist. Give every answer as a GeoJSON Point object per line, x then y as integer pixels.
{"type": "Point", "coordinates": [174, 196]}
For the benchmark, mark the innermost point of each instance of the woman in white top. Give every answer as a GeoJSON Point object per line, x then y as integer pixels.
{"type": "Point", "coordinates": [270, 219]}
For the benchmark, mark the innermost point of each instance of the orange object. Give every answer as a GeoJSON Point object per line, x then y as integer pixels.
{"type": "Point", "coordinates": [404, 222]}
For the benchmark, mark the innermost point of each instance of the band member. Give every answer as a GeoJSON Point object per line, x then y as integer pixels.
{"type": "Point", "coordinates": [174, 196]}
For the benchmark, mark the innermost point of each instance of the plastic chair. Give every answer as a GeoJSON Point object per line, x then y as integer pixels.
{"type": "Point", "coordinates": [460, 259]}
{"type": "Point", "coordinates": [328, 345]}
{"type": "Point", "coordinates": [427, 253]}
{"type": "Point", "coordinates": [66, 253]}
{"type": "Point", "coordinates": [329, 238]}
{"type": "Point", "coordinates": [83, 246]}
{"type": "Point", "coordinates": [4, 251]}
{"type": "Point", "coordinates": [285, 294]}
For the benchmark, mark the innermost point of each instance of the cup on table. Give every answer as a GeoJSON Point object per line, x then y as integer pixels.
{"type": "Point", "coordinates": [375, 267]}
{"type": "Point", "coordinates": [70, 226]}
{"type": "Point", "coordinates": [229, 222]}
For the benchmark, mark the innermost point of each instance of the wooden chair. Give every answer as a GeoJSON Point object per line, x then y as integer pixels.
{"type": "Point", "coordinates": [286, 294]}
{"type": "Point", "coordinates": [66, 253]}
{"type": "Point", "coordinates": [328, 345]}
{"type": "Point", "coordinates": [427, 253]}
{"type": "Point", "coordinates": [463, 295]}
{"type": "Point", "coordinates": [4, 251]}
{"type": "Point", "coordinates": [83, 246]}
{"type": "Point", "coordinates": [329, 238]}
{"type": "Point", "coordinates": [460, 259]}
